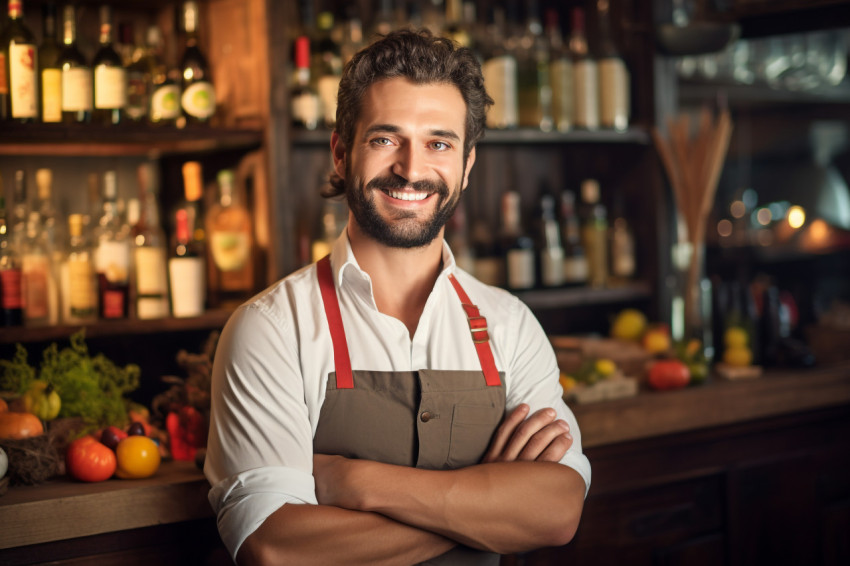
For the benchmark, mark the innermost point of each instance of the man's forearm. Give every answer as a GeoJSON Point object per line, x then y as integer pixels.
{"type": "Point", "coordinates": [503, 507]}
{"type": "Point", "coordinates": [322, 534]}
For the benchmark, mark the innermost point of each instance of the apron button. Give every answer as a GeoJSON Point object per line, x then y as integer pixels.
{"type": "Point", "coordinates": [425, 416]}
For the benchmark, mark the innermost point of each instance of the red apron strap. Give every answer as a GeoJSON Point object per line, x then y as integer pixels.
{"type": "Point", "coordinates": [342, 361]}
{"type": "Point", "coordinates": [480, 337]}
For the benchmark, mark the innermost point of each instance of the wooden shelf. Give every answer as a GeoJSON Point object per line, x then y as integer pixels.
{"type": "Point", "coordinates": [575, 296]}
{"type": "Point", "coordinates": [125, 140]}
{"type": "Point", "coordinates": [760, 95]}
{"type": "Point", "coordinates": [522, 136]}
{"type": "Point", "coordinates": [211, 320]}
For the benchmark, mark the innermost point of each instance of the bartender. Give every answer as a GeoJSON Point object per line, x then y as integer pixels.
{"type": "Point", "coordinates": [382, 406]}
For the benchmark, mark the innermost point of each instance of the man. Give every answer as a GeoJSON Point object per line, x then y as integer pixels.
{"type": "Point", "coordinates": [359, 405]}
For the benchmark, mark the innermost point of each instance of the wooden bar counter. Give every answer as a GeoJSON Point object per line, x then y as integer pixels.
{"type": "Point", "coordinates": [682, 474]}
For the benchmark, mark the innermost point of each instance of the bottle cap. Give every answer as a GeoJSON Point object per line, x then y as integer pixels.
{"type": "Point", "coordinates": [302, 52]}
{"type": "Point", "coordinates": [192, 180]}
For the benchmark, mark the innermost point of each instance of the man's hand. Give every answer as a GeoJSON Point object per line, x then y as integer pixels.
{"type": "Point", "coordinates": [537, 438]}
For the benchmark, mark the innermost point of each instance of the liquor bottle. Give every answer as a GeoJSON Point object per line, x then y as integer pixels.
{"type": "Point", "coordinates": [77, 99]}
{"type": "Point", "coordinates": [352, 40]}
{"type": "Point", "coordinates": [165, 90]}
{"type": "Point", "coordinates": [230, 246]}
{"type": "Point", "coordinates": [186, 271]}
{"type": "Point", "coordinates": [50, 72]}
{"type": "Point", "coordinates": [18, 61]}
{"type": "Point", "coordinates": [533, 82]}
{"type": "Point", "coordinates": [112, 255]}
{"type": "Point", "coordinates": [334, 214]}
{"type": "Point", "coordinates": [110, 76]}
{"type": "Point", "coordinates": [500, 74]}
{"type": "Point", "coordinates": [46, 211]}
{"type": "Point", "coordinates": [198, 95]}
{"type": "Point", "coordinates": [149, 252]}
{"type": "Point", "coordinates": [326, 67]}
{"type": "Point", "coordinates": [517, 246]}
{"type": "Point", "coordinates": [20, 212]}
{"type": "Point", "coordinates": [457, 237]}
{"type": "Point", "coordinates": [585, 76]}
{"type": "Point", "coordinates": [38, 286]}
{"type": "Point", "coordinates": [576, 269]}
{"type": "Point", "coordinates": [136, 61]}
{"type": "Point", "coordinates": [560, 75]}
{"type": "Point", "coordinates": [613, 76]}
{"type": "Point", "coordinates": [622, 249]}
{"type": "Point", "coordinates": [455, 25]}
{"type": "Point", "coordinates": [550, 252]}
{"type": "Point", "coordinates": [489, 262]}
{"type": "Point", "coordinates": [305, 102]}
{"type": "Point", "coordinates": [79, 287]}
{"type": "Point", "coordinates": [594, 233]}
{"type": "Point", "coordinates": [11, 299]}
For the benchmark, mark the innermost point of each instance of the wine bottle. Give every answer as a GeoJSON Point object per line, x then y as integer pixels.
{"type": "Point", "coordinates": [457, 236]}
{"type": "Point", "coordinates": [110, 76]}
{"type": "Point", "coordinates": [517, 245]}
{"type": "Point", "coordinates": [165, 90]}
{"type": "Point", "coordinates": [560, 75]}
{"type": "Point", "coordinates": [77, 97]}
{"type": "Point", "coordinates": [198, 95]}
{"type": "Point", "coordinates": [20, 211]}
{"type": "Point", "coordinates": [19, 64]}
{"type": "Point", "coordinates": [78, 278]}
{"type": "Point", "coordinates": [230, 238]}
{"type": "Point", "coordinates": [112, 255]}
{"type": "Point", "coordinates": [50, 72]}
{"type": "Point", "coordinates": [594, 233]}
{"type": "Point", "coordinates": [585, 75]}
{"type": "Point", "coordinates": [613, 76]}
{"type": "Point", "coordinates": [534, 85]}
{"type": "Point", "coordinates": [326, 68]}
{"type": "Point", "coordinates": [149, 251]}
{"type": "Point", "coordinates": [489, 262]}
{"type": "Point", "coordinates": [11, 298]}
{"type": "Point", "coordinates": [622, 249]}
{"type": "Point", "coordinates": [550, 252]}
{"type": "Point", "coordinates": [500, 75]}
{"type": "Point", "coordinates": [305, 101]}
{"type": "Point", "coordinates": [136, 61]}
{"type": "Point", "coordinates": [37, 283]}
{"type": "Point", "coordinates": [576, 269]}
{"type": "Point", "coordinates": [186, 269]}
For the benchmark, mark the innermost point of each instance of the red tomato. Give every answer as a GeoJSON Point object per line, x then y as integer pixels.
{"type": "Point", "coordinates": [669, 374]}
{"type": "Point", "coordinates": [89, 460]}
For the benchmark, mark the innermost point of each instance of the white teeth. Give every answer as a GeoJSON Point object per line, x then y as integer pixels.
{"type": "Point", "coordinates": [407, 195]}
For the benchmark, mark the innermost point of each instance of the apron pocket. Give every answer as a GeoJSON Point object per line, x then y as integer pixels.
{"type": "Point", "coordinates": [473, 427]}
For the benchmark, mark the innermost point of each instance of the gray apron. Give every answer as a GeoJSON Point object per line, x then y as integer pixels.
{"type": "Point", "coordinates": [429, 419]}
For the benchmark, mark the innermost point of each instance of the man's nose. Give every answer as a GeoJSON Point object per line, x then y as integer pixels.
{"type": "Point", "coordinates": [410, 162]}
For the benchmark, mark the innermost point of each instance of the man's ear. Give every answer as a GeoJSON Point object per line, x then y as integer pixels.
{"type": "Point", "coordinates": [470, 161]}
{"type": "Point", "coordinates": [338, 153]}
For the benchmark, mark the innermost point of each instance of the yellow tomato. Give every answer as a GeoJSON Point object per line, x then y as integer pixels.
{"type": "Point", "coordinates": [138, 457]}
{"type": "Point", "coordinates": [738, 356]}
{"type": "Point", "coordinates": [630, 324]}
{"type": "Point", "coordinates": [735, 337]}
{"type": "Point", "coordinates": [605, 367]}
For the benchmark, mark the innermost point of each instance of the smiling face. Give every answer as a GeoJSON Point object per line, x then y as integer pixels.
{"type": "Point", "coordinates": [405, 171]}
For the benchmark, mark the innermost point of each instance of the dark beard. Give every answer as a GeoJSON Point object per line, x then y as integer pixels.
{"type": "Point", "coordinates": [403, 231]}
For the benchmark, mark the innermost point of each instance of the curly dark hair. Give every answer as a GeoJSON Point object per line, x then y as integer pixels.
{"type": "Point", "coordinates": [419, 56]}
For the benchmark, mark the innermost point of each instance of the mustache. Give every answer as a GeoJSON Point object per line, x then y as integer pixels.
{"type": "Point", "coordinates": [394, 182]}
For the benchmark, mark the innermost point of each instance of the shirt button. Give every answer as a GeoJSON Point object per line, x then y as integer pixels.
{"type": "Point", "coordinates": [425, 416]}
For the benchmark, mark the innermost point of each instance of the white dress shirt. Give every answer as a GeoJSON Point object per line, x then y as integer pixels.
{"type": "Point", "coordinates": [275, 354]}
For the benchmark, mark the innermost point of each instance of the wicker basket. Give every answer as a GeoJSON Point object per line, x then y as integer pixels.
{"type": "Point", "coordinates": [32, 460]}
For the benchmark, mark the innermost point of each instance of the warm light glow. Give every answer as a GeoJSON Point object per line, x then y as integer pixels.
{"type": "Point", "coordinates": [818, 231]}
{"type": "Point", "coordinates": [764, 237]}
{"type": "Point", "coordinates": [724, 228]}
{"type": "Point", "coordinates": [796, 216]}
{"type": "Point", "coordinates": [764, 216]}
{"type": "Point", "coordinates": [738, 209]}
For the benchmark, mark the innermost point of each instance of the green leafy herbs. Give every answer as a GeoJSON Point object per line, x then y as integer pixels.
{"type": "Point", "coordinates": [91, 387]}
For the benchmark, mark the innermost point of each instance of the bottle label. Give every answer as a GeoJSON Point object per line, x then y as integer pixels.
{"type": "Point", "coordinates": [110, 87]}
{"type": "Point", "coordinates": [113, 303]}
{"type": "Point", "coordinates": [230, 249]}
{"type": "Point", "coordinates": [4, 88]}
{"type": "Point", "coordinates": [328, 86]}
{"type": "Point", "coordinates": [82, 295]}
{"type": "Point", "coordinates": [188, 286]}
{"type": "Point", "coordinates": [520, 264]}
{"type": "Point", "coordinates": [112, 259]}
{"type": "Point", "coordinates": [552, 267]}
{"type": "Point", "coordinates": [199, 100]}
{"type": "Point", "coordinates": [23, 86]}
{"type": "Point", "coordinates": [35, 285]}
{"type": "Point", "coordinates": [151, 276]}
{"type": "Point", "coordinates": [563, 94]}
{"type": "Point", "coordinates": [586, 95]}
{"type": "Point", "coordinates": [576, 269]}
{"type": "Point", "coordinates": [500, 78]}
{"type": "Point", "coordinates": [11, 296]}
{"type": "Point", "coordinates": [165, 103]}
{"type": "Point", "coordinates": [613, 94]}
{"type": "Point", "coordinates": [76, 89]}
{"type": "Point", "coordinates": [305, 110]}
{"type": "Point", "coordinates": [51, 95]}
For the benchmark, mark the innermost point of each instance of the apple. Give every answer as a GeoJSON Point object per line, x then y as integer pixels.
{"type": "Point", "coordinates": [111, 436]}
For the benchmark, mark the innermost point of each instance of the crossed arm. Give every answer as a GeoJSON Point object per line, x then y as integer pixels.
{"type": "Point", "coordinates": [517, 499]}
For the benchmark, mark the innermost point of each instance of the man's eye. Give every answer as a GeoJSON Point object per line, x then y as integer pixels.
{"type": "Point", "coordinates": [381, 141]}
{"type": "Point", "coordinates": [440, 146]}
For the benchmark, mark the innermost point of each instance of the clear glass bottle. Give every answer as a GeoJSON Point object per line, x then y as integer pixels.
{"type": "Point", "coordinates": [305, 102]}
{"type": "Point", "coordinates": [533, 81]}
{"type": "Point", "coordinates": [186, 269]}
{"type": "Point", "coordinates": [49, 70]}
{"type": "Point", "coordinates": [136, 61]}
{"type": "Point", "coordinates": [198, 94]}
{"type": "Point", "coordinates": [149, 252]}
{"type": "Point", "coordinates": [576, 269]}
{"type": "Point", "coordinates": [110, 76]}
{"type": "Point", "coordinates": [165, 90]}
{"type": "Point", "coordinates": [585, 75]}
{"type": "Point", "coordinates": [112, 255]}
{"type": "Point", "coordinates": [77, 98]}
{"type": "Point", "coordinates": [38, 284]}
{"type": "Point", "coordinates": [20, 212]}
{"type": "Point", "coordinates": [231, 240]}
{"type": "Point", "coordinates": [517, 245]}
{"type": "Point", "coordinates": [78, 278]}
{"type": "Point", "coordinates": [500, 74]}
{"type": "Point", "coordinates": [11, 297]}
{"type": "Point", "coordinates": [550, 252]}
{"type": "Point", "coordinates": [560, 75]}
{"type": "Point", "coordinates": [594, 233]}
{"type": "Point", "coordinates": [622, 249]}
{"type": "Point", "coordinates": [18, 64]}
{"type": "Point", "coordinates": [326, 67]}
{"type": "Point", "coordinates": [613, 76]}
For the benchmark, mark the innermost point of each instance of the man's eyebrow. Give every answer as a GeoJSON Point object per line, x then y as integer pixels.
{"type": "Point", "coordinates": [393, 129]}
